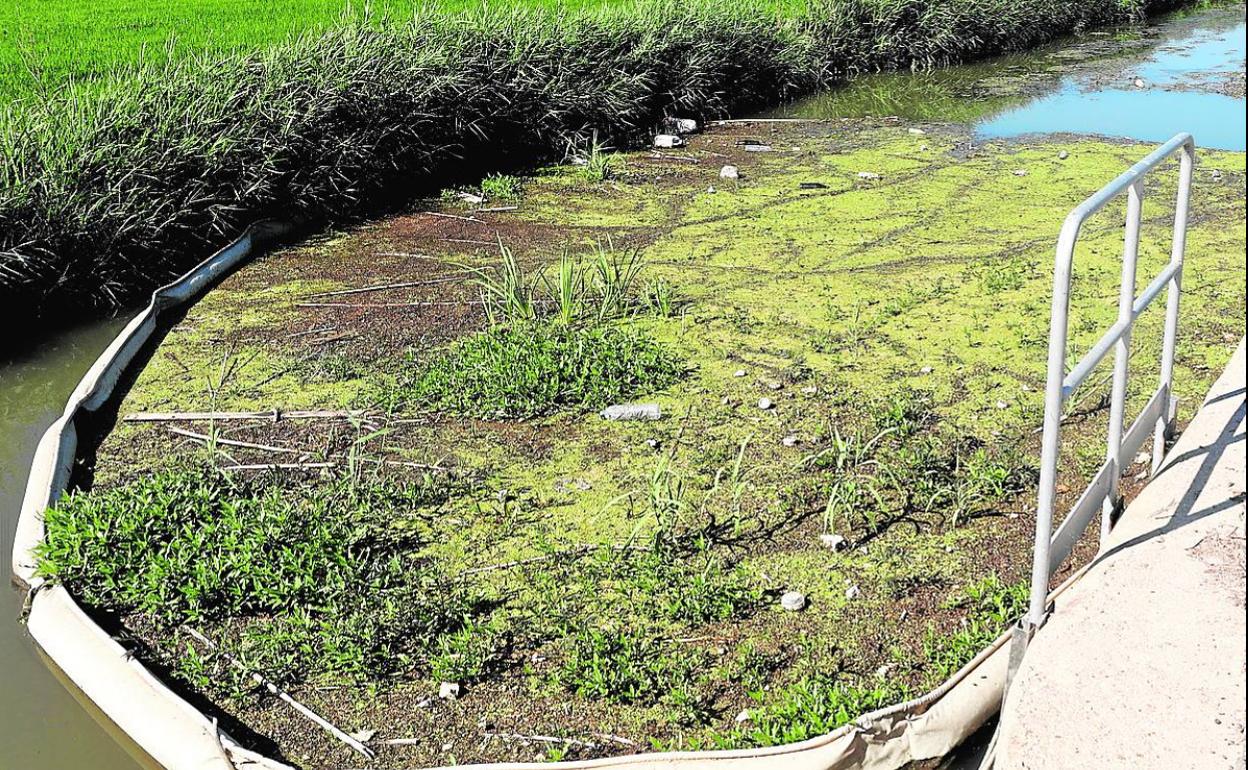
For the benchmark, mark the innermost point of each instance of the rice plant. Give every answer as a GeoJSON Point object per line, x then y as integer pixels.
{"type": "Point", "coordinates": [109, 186]}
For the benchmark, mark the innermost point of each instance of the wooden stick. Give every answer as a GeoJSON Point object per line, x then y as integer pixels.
{"type": "Point", "coordinates": [387, 286]}
{"type": "Point", "coordinates": [447, 303]}
{"type": "Point", "coordinates": [541, 739]}
{"type": "Point", "coordinates": [452, 216]}
{"type": "Point", "coordinates": [233, 442]}
{"type": "Point", "coordinates": [275, 415]}
{"type": "Point", "coordinates": [291, 450]}
{"type": "Point", "coordinates": [497, 209]}
{"type": "Point", "coordinates": [283, 695]}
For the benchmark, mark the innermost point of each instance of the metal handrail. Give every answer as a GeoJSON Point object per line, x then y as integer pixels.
{"type": "Point", "coordinates": [1051, 549]}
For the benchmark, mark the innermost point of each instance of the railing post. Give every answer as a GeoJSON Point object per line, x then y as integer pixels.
{"type": "Point", "coordinates": [1122, 352]}
{"type": "Point", "coordinates": [1054, 401]}
{"type": "Point", "coordinates": [1173, 292]}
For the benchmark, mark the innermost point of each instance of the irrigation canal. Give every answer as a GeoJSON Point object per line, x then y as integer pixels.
{"type": "Point", "coordinates": [1184, 72]}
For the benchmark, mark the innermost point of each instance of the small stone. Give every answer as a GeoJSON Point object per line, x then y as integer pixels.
{"type": "Point", "coordinates": [834, 542]}
{"type": "Point", "coordinates": [1063, 155]}
{"type": "Point", "coordinates": [1142, 458]}
{"type": "Point", "coordinates": [916, 131]}
{"type": "Point", "coordinates": [923, 148]}
{"type": "Point", "coordinates": [868, 175]}
{"type": "Point", "coordinates": [653, 443]}
{"type": "Point", "coordinates": [743, 717]}
{"type": "Point", "coordinates": [448, 690]}
{"type": "Point", "coordinates": [1139, 83]}
{"type": "Point", "coordinates": [793, 601]}
{"type": "Point", "coordinates": [773, 385]}
{"type": "Point", "coordinates": [427, 703]}
{"type": "Point", "coordinates": [739, 373]}
{"type": "Point", "coordinates": [789, 441]}
{"type": "Point", "coordinates": [1002, 405]}
{"type": "Point", "coordinates": [765, 404]}
{"type": "Point", "coordinates": [363, 736]}
{"type": "Point", "coordinates": [726, 401]}
{"type": "Point", "coordinates": [730, 172]}
{"type": "Point", "coordinates": [668, 141]}
{"type": "Point", "coordinates": [632, 412]}
{"type": "Point", "coordinates": [446, 747]}
{"type": "Point", "coordinates": [810, 390]}
{"type": "Point", "coordinates": [926, 370]}
{"type": "Point", "coordinates": [883, 671]}
{"type": "Point", "coordinates": [711, 189]}
{"type": "Point", "coordinates": [853, 592]}
{"type": "Point", "coordinates": [1020, 172]}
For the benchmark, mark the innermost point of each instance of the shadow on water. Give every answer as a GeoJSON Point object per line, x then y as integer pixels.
{"type": "Point", "coordinates": [1184, 73]}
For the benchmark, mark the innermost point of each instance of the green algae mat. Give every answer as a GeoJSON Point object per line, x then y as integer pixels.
{"type": "Point", "coordinates": [407, 510]}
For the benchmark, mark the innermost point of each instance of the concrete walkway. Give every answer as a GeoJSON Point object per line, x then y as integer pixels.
{"type": "Point", "coordinates": [1142, 664]}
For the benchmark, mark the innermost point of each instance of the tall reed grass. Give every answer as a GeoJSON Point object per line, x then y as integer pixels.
{"type": "Point", "coordinates": [106, 191]}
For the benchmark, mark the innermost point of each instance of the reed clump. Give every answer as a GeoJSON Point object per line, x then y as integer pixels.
{"type": "Point", "coordinates": [111, 187]}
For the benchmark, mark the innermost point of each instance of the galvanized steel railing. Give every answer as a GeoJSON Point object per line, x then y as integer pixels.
{"type": "Point", "coordinates": [1051, 549]}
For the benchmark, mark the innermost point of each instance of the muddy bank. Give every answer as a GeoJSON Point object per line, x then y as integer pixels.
{"type": "Point", "coordinates": [863, 277]}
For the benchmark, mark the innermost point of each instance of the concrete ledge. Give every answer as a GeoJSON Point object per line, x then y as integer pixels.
{"type": "Point", "coordinates": [1142, 663]}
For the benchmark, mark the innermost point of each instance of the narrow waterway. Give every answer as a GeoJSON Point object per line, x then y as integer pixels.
{"type": "Point", "coordinates": [42, 727]}
{"type": "Point", "coordinates": [1184, 72]}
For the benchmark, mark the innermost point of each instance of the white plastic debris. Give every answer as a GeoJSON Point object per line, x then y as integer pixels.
{"type": "Point", "coordinates": [835, 542]}
{"type": "Point", "coordinates": [1020, 172]}
{"type": "Point", "coordinates": [743, 717]}
{"type": "Point", "coordinates": [682, 125]}
{"type": "Point", "coordinates": [730, 172]}
{"type": "Point", "coordinates": [1063, 155]}
{"type": "Point", "coordinates": [917, 131]}
{"type": "Point", "coordinates": [765, 403]}
{"type": "Point", "coordinates": [926, 370]}
{"type": "Point", "coordinates": [363, 736]}
{"type": "Point", "coordinates": [789, 440]}
{"type": "Point", "coordinates": [739, 373]}
{"type": "Point", "coordinates": [793, 601]}
{"type": "Point", "coordinates": [1139, 83]}
{"type": "Point", "coordinates": [668, 141]}
{"type": "Point", "coordinates": [758, 148]}
{"type": "Point", "coordinates": [448, 690]}
{"type": "Point", "coordinates": [810, 390]}
{"type": "Point", "coordinates": [853, 592]}
{"type": "Point", "coordinates": [467, 197]}
{"type": "Point", "coordinates": [632, 412]}
{"type": "Point", "coordinates": [868, 175]}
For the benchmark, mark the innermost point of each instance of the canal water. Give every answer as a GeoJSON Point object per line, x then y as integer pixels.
{"type": "Point", "coordinates": [1184, 72]}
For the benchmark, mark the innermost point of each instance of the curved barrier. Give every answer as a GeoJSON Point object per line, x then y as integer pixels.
{"type": "Point", "coordinates": [180, 737]}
